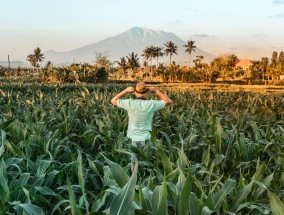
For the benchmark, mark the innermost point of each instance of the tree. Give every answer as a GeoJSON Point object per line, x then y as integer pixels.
{"type": "Point", "coordinates": [198, 61]}
{"type": "Point", "coordinates": [132, 60]}
{"type": "Point", "coordinates": [101, 75]}
{"type": "Point", "coordinates": [274, 59]}
{"type": "Point", "coordinates": [149, 54]}
{"type": "Point", "coordinates": [264, 66]}
{"type": "Point", "coordinates": [171, 49]}
{"type": "Point", "coordinates": [122, 64]}
{"type": "Point", "coordinates": [158, 53]}
{"type": "Point", "coordinates": [224, 64]}
{"type": "Point", "coordinates": [35, 58]}
{"type": "Point", "coordinates": [190, 47]}
{"type": "Point", "coordinates": [38, 56]}
{"type": "Point", "coordinates": [280, 62]}
{"type": "Point", "coordinates": [31, 59]}
{"type": "Point", "coordinates": [102, 61]}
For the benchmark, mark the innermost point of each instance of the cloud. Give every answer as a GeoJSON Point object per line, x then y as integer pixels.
{"type": "Point", "coordinates": [278, 1]}
{"type": "Point", "coordinates": [259, 35]}
{"type": "Point", "coordinates": [176, 22]}
{"type": "Point", "coordinates": [279, 15]}
{"type": "Point", "coordinates": [233, 48]}
{"type": "Point", "coordinates": [253, 48]}
{"type": "Point", "coordinates": [204, 36]}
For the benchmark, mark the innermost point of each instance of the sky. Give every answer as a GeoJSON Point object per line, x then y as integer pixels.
{"type": "Point", "coordinates": [249, 29]}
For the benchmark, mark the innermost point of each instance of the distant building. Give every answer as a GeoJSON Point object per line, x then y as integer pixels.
{"type": "Point", "coordinates": [243, 64]}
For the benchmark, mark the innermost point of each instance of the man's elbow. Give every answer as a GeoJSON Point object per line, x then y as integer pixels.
{"type": "Point", "coordinates": [168, 102]}
{"type": "Point", "coordinates": [114, 102]}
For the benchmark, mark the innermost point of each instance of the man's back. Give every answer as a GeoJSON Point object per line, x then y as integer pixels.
{"type": "Point", "coordinates": [140, 113]}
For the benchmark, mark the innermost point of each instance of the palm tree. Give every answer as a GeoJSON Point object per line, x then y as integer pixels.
{"type": "Point", "coordinates": [35, 58]}
{"type": "Point", "coordinates": [132, 60]}
{"type": "Point", "coordinates": [198, 61]}
{"type": "Point", "coordinates": [158, 53]}
{"type": "Point", "coordinates": [38, 56]}
{"type": "Point", "coordinates": [148, 54]}
{"type": "Point", "coordinates": [32, 60]}
{"type": "Point", "coordinates": [189, 48]}
{"type": "Point", "coordinates": [122, 63]}
{"type": "Point", "coordinates": [171, 49]}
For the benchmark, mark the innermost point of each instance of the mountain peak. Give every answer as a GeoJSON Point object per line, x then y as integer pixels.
{"type": "Point", "coordinates": [135, 40]}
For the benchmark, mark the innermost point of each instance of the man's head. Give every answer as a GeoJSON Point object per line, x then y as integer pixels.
{"type": "Point", "coordinates": [141, 90]}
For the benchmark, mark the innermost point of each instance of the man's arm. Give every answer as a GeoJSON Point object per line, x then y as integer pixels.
{"type": "Point", "coordinates": [121, 94]}
{"type": "Point", "coordinates": [161, 95]}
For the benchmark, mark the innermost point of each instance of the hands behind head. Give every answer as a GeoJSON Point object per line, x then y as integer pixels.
{"type": "Point", "coordinates": [129, 89]}
{"type": "Point", "coordinates": [153, 89]}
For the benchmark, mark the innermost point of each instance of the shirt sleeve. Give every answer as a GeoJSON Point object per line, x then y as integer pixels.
{"type": "Point", "coordinates": [158, 105]}
{"type": "Point", "coordinates": [123, 103]}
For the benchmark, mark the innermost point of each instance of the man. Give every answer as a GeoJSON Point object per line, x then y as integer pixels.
{"type": "Point", "coordinates": [140, 112]}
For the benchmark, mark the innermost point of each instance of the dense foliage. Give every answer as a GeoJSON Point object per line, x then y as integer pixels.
{"type": "Point", "coordinates": [63, 150]}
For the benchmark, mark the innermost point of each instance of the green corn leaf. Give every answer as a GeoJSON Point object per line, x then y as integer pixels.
{"type": "Point", "coordinates": [45, 191]}
{"type": "Point", "coordinates": [166, 161]}
{"type": "Point", "coordinates": [173, 176]}
{"type": "Point", "coordinates": [31, 209]}
{"type": "Point", "coordinates": [194, 204]}
{"type": "Point", "coordinates": [50, 178]}
{"type": "Point", "coordinates": [42, 166]}
{"type": "Point", "coordinates": [14, 149]}
{"type": "Point", "coordinates": [159, 199]}
{"type": "Point", "coordinates": [183, 206]}
{"type": "Point", "coordinates": [3, 138]}
{"type": "Point", "coordinates": [277, 206]}
{"type": "Point", "coordinates": [72, 201]}
{"type": "Point", "coordinates": [92, 166]}
{"type": "Point", "coordinates": [259, 172]}
{"type": "Point", "coordinates": [240, 196]}
{"type": "Point", "coordinates": [163, 206]}
{"type": "Point", "coordinates": [123, 202]}
{"type": "Point", "coordinates": [206, 211]}
{"type": "Point", "coordinates": [150, 182]}
{"type": "Point", "coordinates": [182, 161]}
{"type": "Point", "coordinates": [80, 172]}
{"type": "Point", "coordinates": [206, 157]}
{"type": "Point", "coordinates": [219, 159]}
{"type": "Point", "coordinates": [147, 198]}
{"type": "Point", "coordinates": [221, 194]}
{"type": "Point", "coordinates": [263, 185]}
{"type": "Point", "coordinates": [218, 135]}
{"type": "Point", "coordinates": [4, 188]}
{"type": "Point", "coordinates": [118, 173]}
{"type": "Point", "coordinates": [81, 180]}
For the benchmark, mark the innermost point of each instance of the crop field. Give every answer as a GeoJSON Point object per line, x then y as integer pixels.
{"type": "Point", "coordinates": [64, 150]}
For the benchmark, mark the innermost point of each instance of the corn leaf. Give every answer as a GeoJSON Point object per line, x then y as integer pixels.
{"type": "Point", "coordinates": [277, 206]}
{"type": "Point", "coordinates": [123, 202]}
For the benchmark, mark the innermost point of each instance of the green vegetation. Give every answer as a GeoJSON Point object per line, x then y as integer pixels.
{"type": "Point", "coordinates": [63, 150]}
{"type": "Point", "coordinates": [223, 69]}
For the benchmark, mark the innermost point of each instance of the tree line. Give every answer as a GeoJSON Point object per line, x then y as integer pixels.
{"type": "Point", "coordinates": [224, 67]}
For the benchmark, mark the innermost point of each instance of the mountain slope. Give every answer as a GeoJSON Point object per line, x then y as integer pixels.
{"type": "Point", "coordinates": [14, 64]}
{"type": "Point", "coordinates": [133, 40]}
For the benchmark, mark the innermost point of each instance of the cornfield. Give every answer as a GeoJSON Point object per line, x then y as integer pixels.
{"type": "Point", "coordinates": [64, 150]}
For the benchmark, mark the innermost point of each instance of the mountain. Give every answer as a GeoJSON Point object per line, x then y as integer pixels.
{"type": "Point", "coordinates": [133, 40]}
{"type": "Point", "coordinates": [14, 64]}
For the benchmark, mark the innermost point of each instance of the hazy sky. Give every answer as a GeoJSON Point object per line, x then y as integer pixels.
{"type": "Point", "coordinates": [248, 28]}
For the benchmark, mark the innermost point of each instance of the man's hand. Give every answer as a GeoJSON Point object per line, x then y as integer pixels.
{"type": "Point", "coordinates": [152, 89]}
{"type": "Point", "coordinates": [162, 96]}
{"type": "Point", "coordinates": [121, 94]}
{"type": "Point", "coordinates": [129, 90]}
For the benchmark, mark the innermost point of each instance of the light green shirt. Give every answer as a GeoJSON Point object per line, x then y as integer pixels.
{"type": "Point", "coordinates": [140, 116]}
